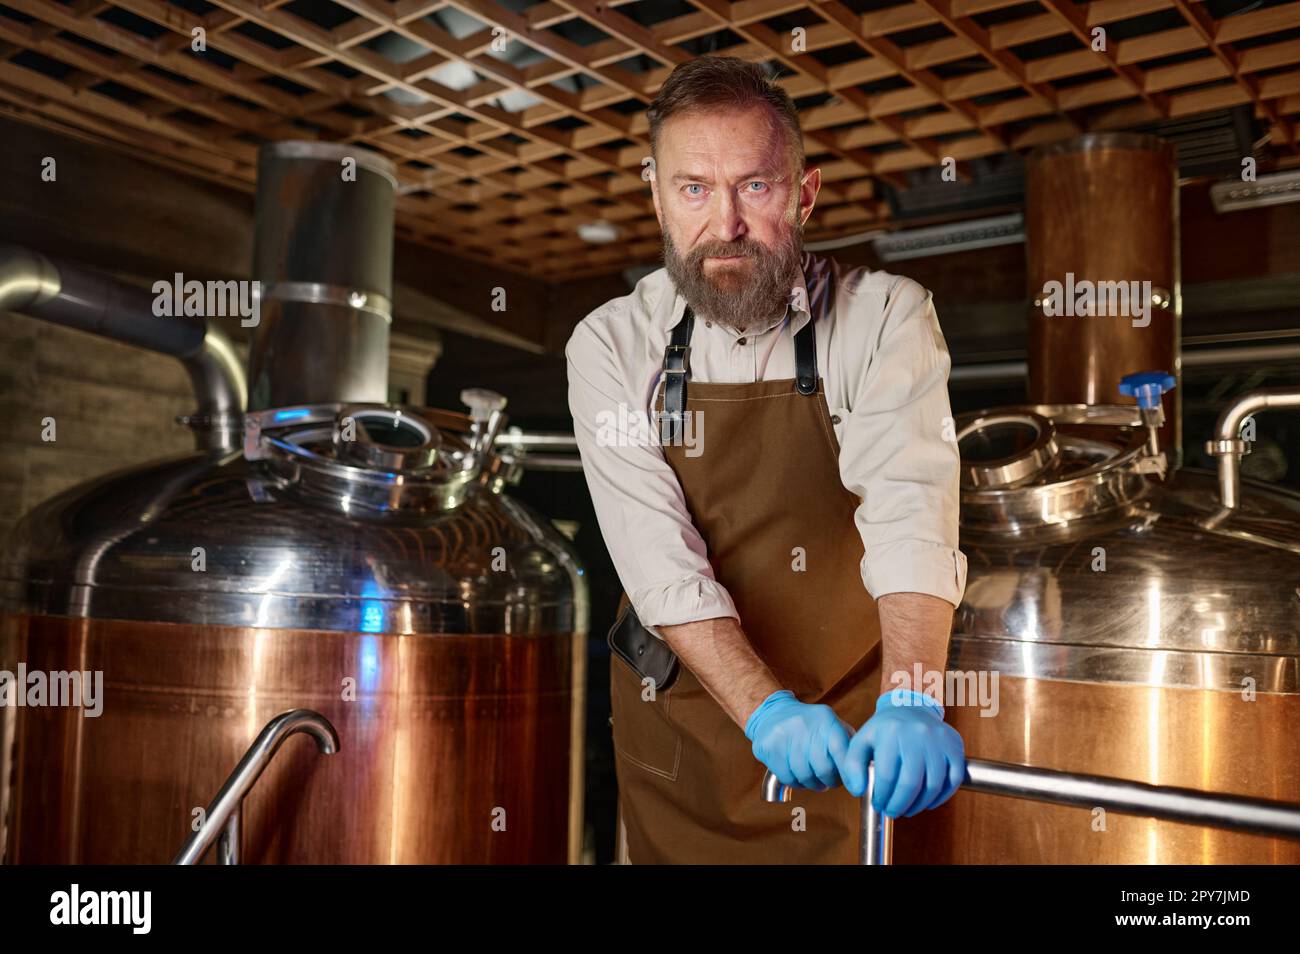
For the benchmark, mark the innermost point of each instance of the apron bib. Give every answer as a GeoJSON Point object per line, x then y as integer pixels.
{"type": "Point", "coordinates": [765, 494]}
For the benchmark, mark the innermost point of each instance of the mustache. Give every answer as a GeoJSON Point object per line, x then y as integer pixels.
{"type": "Point", "coordinates": [773, 269]}
{"type": "Point", "coordinates": [741, 247]}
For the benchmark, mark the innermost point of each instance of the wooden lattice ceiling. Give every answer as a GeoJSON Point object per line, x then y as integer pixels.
{"type": "Point", "coordinates": [513, 122]}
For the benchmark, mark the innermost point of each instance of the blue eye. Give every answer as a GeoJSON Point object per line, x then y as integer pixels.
{"type": "Point", "coordinates": [694, 185]}
{"type": "Point", "coordinates": [761, 186]}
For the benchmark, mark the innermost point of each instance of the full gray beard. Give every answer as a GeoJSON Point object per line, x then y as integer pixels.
{"type": "Point", "coordinates": [738, 304]}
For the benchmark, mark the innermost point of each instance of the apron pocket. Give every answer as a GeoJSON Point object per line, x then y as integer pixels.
{"type": "Point", "coordinates": [643, 733]}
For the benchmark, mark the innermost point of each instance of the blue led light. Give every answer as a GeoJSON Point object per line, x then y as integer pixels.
{"type": "Point", "coordinates": [292, 414]}
{"type": "Point", "coordinates": [372, 616]}
{"type": "Point", "coordinates": [372, 610]}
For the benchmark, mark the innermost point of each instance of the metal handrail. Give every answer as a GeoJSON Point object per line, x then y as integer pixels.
{"type": "Point", "coordinates": [1256, 816]}
{"type": "Point", "coordinates": [224, 815]}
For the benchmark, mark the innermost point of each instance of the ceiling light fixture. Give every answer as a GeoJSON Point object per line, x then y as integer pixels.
{"type": "Point", "coordinates": [1274, 188]}
{"type": "Point", "coordinates": [598, 233]}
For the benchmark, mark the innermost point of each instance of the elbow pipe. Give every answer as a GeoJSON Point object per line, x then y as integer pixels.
{"type": "Point", "coordinates": [1228, 447]}
{"type": "Point", "coordinates": [1235, 414]}
{"type": "Point", "coordinates": [222, 820]}
{"type": "Point", "coordinates": [34, 285]}
{"type": "Point", "coordinates": [221, 387]}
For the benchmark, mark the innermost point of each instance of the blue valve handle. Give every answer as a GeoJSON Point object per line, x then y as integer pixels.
{"type": "Point", "coordinates": [1146, 386]}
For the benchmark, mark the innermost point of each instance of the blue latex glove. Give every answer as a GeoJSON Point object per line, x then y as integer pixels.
{"type": "Point", "coordinates": [802, 744]}
{"type": "Point", "coordinates": [920, 760]}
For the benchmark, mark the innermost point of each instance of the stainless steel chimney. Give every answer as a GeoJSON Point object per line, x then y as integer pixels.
{"type": "Point", "coordinates": [323, 255]}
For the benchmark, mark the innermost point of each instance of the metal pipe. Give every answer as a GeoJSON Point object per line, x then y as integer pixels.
{"type": "Point", "coordinates": [228, 843]}
{"type": "Point", "coordinates": [989, 372]}
{"type": "Point", "coordinates": [35, 285]}
{"type": "Point", "coordinates": [522, 448]}
{"type": "Point", "coordinates": [222, 818]}
{"type": "Point", "coordinates": [1255, 816]}
{"type": "Point", "coordinates": [217, 376]}
{"type": "Point", "coordinates": [1243, 355]}
{"type": "Point", "coordinates": [876, 836]}
{"type": "Point", "coordinates": [518, 439]}
{"type": "Point", "coordinates": [553, 462]}
{"type": "Point", "coordinates": [1229, 448]}
{"type": "Point", "coordinates": [1229, 427]}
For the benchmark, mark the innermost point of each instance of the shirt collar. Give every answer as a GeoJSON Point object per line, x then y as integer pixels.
{"type": "Point", "coordinates": [807, 296]}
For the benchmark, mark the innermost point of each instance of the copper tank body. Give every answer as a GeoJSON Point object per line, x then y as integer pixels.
{"type": "Point", "coordinates": [1210, 741]}
{"type": "Point", "coordinates": [444, 638]}
{"type": "Point", "coordinates": [1129, 639]}
{"type": "Point", "coordinates": [1103, 208]}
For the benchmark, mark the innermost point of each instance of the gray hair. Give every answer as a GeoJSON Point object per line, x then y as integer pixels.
{"type": "Point", "coordinates": [717, 82]}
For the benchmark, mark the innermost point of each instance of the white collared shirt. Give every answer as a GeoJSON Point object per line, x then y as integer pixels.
{"type": "Point", "coordinates": [884, 366]}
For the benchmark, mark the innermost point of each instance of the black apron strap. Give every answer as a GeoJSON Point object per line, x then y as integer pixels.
{"type": "Point", "coordinates": [805, 359]}
{"type": "Point", "coordinates": [677, 369]}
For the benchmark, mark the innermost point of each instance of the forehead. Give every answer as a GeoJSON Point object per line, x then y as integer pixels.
{"type": "Point", "coordinates": [752, 137]}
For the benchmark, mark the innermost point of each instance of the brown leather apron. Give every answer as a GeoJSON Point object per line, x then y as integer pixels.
{"type": "Point", "coordinates": [765, 493]}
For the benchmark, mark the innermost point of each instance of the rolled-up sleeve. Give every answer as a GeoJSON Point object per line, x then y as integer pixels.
{"type": "Point", "coordinates": [661, 559]}
{"type": "Point", "coordinates": [900, 456]}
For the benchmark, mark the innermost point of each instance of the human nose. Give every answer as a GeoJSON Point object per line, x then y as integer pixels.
{"type": "Point", "coordinates": [728, 224]}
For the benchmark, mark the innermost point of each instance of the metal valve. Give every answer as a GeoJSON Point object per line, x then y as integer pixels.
{"type": "Point", "coordinates": [481, 402]}
{"type": "Point", "coordinates": [486, 418]}
{"type": "Point", "coordinates": [1147, 387]}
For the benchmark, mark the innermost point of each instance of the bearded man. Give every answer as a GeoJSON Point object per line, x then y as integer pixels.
{"type": "Point", "coordinates": [786, 577]}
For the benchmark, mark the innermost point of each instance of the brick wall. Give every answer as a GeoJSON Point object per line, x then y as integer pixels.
{"type": "Point", "coordinates": [113, 406]}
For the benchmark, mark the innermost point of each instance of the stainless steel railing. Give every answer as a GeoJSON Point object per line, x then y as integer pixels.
{"type": "Point", "coordinates": [224, 816]}
{"type": "Point", "coordinates": [540, 450]}
{"type": "Point", "coordinates": [1256, 816]}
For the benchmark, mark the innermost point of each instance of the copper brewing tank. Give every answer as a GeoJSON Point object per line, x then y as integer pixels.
{"type": "Point", "coordinates": [1142, 620]}
{"type": "Point", "coordinates": [356, 559]}
{"type": "Point", "coordinates": [1103, 209]}
{"type": "Point", "coordinates": [1177, 664]}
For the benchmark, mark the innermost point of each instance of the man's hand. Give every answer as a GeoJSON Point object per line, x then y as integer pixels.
{"type": "Point", "coordinates": [802, 744]}
{"type": "Point", "coordinates": [920, 760]}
